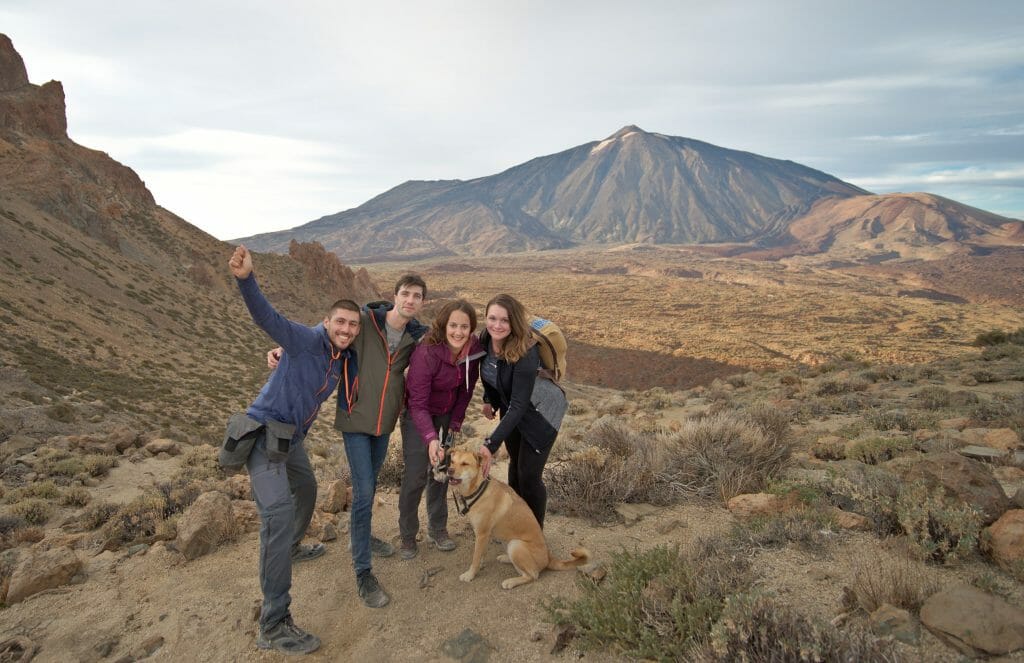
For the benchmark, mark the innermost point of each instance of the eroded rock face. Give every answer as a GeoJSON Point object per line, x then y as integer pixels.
{"type": "Point", "coordinates": [961, 479]}
{"type": "Point", "coordinates": [13, 74]}
{"type": "Point", "coordinates": [39, 571]}
{"type": "Point", "coordinates": [974, 622]}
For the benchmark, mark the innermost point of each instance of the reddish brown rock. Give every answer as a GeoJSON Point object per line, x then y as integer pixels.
{"type": "Point", "coordinates": [209, 522]}
{"type": "Point", "coordinates": [960, 478]}
{"type": "Point", "coordinates": [1004, 540]}
{"type": "Point", "coordinates": [759, 504]}
{"type": "Point", "coordinates": [42, 570]}
{"type": "Point", "coordinates": [974, 622]}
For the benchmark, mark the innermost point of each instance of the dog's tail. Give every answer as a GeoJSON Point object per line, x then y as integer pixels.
{"type": "Point", "coordinates": [580, 556]}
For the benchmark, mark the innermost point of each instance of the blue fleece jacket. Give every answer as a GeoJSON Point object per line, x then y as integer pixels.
{"type": "Point", "coordinates": [310, 367]}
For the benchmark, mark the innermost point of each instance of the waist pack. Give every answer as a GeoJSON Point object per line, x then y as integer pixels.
{"type": "Point", "coordinates": [241, 435]}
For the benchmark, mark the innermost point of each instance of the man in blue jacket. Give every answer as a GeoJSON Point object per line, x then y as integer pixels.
{"type": "Point", "coordinates": [315, 360]}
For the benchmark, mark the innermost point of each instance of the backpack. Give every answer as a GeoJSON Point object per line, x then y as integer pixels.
{"type": "Point", "coordinates": [551, 345]}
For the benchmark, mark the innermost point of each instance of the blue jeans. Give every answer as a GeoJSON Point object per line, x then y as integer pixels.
{"type": "Point", "coordinates": [365, 455]}
{"type": "Point", "coordinates": [285, 493]}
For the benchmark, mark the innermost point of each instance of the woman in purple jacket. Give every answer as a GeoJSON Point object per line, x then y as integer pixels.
{"type": "Point", "coordinates": [442, 374]}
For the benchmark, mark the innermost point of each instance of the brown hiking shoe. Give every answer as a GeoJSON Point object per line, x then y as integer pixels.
{"type": "Point", "coordinates": [441, 539]}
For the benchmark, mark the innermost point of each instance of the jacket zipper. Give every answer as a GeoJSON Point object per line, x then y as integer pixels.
{"type": "Point", "coordinates": [387, 374]}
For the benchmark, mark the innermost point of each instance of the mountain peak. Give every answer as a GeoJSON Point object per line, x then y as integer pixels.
{"type": "Point", "coordinates": [625, 131]}
{"type": "Point", "coordinates": [13, 74]}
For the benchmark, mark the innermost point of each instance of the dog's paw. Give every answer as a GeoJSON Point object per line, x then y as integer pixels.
{"type": "Point", "coordinates": [504, 559]}
{"type": "Point", "coordinates": [509, 583]}
{"type": "Point", "coordinates": [467, 576]}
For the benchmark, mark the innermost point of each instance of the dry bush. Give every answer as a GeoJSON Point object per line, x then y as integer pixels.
{"type": "Point", "coordinates": [875, 450]}
{"type": "Point", "coordinates": [654, 604]}
{"type": "Point", "coordinates": [33, 510]}
{"type": "Point", "coordinates": [98, 514]}
{"type": "Point", "coordinates": [829, 448]}
{"type": "Point", "coordinates": [883, 420]}
{"type": "Point", "coordinates": [33, 534]}
{"type": "Point", "coordinates": [97, 465]}
{"type": "Point", "coordinates": [898, 581]}
{"type": "Point", "coordinates": [138, 521]}
{"type": "Point", "coordinates": [754, 628]}
{"type": "Point", "coordinates": [75, 496]}
{"type": "Point", "coordinates": [198, 463]}
{"type": "Point", "coordinates": [833, 387]}
{"type": "Point", "coordinates": [619, 466]}
{"type": "Point", "coordinates": [721, 456]}
{"type": "Point", "coordinates": [390, 475]}
{"type": "Point", "coordinates": [933, 397]}
{"type": "Point", "coordinates": [809, 529]}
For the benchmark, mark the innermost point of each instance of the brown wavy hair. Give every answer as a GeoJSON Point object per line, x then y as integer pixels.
{"type": "Point", "coordinates": [518, 341]}
{"type": "Point", "coordinates": [438, 330]}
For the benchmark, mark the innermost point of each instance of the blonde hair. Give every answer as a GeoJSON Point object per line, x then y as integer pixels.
{"type": "Point", "coordinates": [518, 341]}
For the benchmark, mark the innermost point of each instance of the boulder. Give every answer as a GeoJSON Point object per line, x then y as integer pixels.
{"type": "Point", "coordinates": [206, 524]}
{"type": "Point", "coordinates": [247, 516]}
{"type": "Point", "coordinates": [338, 499]}
{"type": "Point", "coordinates": [888, 620]}
{"type": "Point", "coordinates": [163, 445]}
{"type": "Point", "coordinates": [1004, 540]}
{"type": "Point", "coordinates": [850, 520]}
{"type": "Point", "coordinates": [958, 423]}
{"type": "Point", "coordinates": [974, 622]}
{"type": "Point", "coordinates": [42, 570]}
{"type": "Point", "coordinates": [961, 479]}
{"type": "Point", "coordinates": [759, 504]}
{"type": "Point", "coordinates": [1002, 438]}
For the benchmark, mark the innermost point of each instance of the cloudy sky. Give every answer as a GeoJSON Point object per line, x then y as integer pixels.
{"type": "Point", "coordinates": [255, 115]}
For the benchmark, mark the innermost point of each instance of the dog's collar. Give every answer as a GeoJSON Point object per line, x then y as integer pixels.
{"type": "Point", "coordinates": [464, 504]}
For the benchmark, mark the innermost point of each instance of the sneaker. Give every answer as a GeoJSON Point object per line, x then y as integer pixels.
{"type": "Point", "coordinates": [370, 591]}
{"type": "Point", "coordinates": [381, 548]}
{"type": "Point", "coordinates": [304, 553]}
{"type": "Point", "coordinates": [287, 638]}
{"type": "Point", "coordinates": [441, 539]}
{"type": "Point", "coordinates": [408, 550]}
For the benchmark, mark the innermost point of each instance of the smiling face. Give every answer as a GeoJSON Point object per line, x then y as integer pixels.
{"type": "Point", "coordinates": [498, 325]}
{"type": "Point", "coordinates": [342, 327]}
{"type": "Point", "coordinates": [463, 468]}
{"type": "Point", "coordinates": [457, 330]}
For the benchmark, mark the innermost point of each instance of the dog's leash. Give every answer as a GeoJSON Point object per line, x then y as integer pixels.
{"type": "Point", "coordinates": [468, 502]}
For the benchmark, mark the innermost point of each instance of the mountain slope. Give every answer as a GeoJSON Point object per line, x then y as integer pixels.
{"type": "Point", "coordinates": [633, 186]}
{"type": "Point", "coordinates": [108, 296]}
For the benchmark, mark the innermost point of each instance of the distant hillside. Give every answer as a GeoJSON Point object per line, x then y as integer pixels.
{"type": "Point", "coordinates": [109, 296]}
{"type": "Point", "coordinates": [913, 225]}
{"type": "Point", "coordinates": [633, 186]}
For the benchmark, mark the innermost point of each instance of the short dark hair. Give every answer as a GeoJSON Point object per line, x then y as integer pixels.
{"type": "Point", "coordinates": [346, 304]}
{"type": "Point", "coordinates": [412, 279]}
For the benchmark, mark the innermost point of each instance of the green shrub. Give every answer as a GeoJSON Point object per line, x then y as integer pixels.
{"type": "Point", "coordinates": [877, 450]}
{"type": "Point", "coordinates": [753, 628]}
{"type": "Point", "coordinates": [1005, 351]}
{"type": "Point", "coordinates": [945, 531]}
{"type": "Point", "coordinates": [933, 397]}
{"type": "Point", "coordinates": [61, 412]}
{"type": "Point", "coordinates": [892, 420]}
{"type": "Point", "coordinates": [810, 529]}
{"type": "Point", "coordinates": [998, 337]}
{"type": "Point", "coordinates": [75, 496]}
{"type": "Point", "coordinates": [33, 511]}
{"type": "Point", "coordinates": [654, 604]}
{"type": "Point", "coordinates": [66, 467]}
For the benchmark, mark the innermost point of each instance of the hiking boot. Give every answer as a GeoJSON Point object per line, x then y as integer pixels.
{"type": "Point", "coordinates": [381, 548]}
{"type": "Point", "coordinates": [287, 638]}
{"type": "Point", "coordinates": [370, 591]}
{"type": "Point", "coordinates": [408, 550]}
{"type": "Point", "coordinates": [304, 553]}
{"type": "Point", "coordinates": [441, 539]}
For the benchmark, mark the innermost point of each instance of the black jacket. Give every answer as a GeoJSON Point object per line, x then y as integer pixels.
{"type": "Point", "coordinates": [511, 398]}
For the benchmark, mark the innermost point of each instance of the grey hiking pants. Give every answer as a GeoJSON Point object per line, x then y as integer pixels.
{"type": "Point", "coordinates": [415, 478]}
{"type": "Point", "coordinates": [285, 494]}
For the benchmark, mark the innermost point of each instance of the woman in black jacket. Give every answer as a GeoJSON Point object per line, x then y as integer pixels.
{"type": "Point", "coordinates": [531, 409]}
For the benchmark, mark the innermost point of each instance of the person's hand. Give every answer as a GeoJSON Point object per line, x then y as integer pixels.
{"type": "Point", "coordinates": [434, 452]}
{"type": "Point", "coordinates": [274, 357]}
{"type": "Point", "coordinates": [488, 411]}
{"type": "Point", "coordinates": [241, 263]}
{"type": "Point", "coordinates": [485, 460]}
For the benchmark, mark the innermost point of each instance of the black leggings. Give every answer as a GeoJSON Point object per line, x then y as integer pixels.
{"type": "Point", "coordinates": [526, 473]}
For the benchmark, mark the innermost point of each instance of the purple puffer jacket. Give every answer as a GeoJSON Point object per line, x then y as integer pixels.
{"type": "Point", "coordinates": [436, 385]}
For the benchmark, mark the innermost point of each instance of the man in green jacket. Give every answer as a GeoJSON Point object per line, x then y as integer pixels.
{"type": "Point", "coordinates": [389, 335]}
